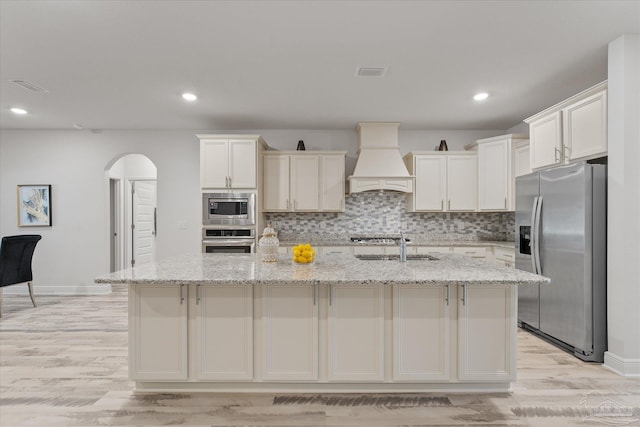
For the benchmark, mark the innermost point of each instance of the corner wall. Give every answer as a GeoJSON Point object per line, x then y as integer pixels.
{"type": "Point", "coordinates": [623, 222]}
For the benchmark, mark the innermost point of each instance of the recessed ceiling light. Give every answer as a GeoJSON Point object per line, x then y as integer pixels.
{"type": "Point", "coordinates": [481, 96]}
{"type": "Point", "coordinates": [77, 126]}
{"type": "Point", "coordinates": [16, 110]}
{"type": "Point", "coordinates": [189, 97]}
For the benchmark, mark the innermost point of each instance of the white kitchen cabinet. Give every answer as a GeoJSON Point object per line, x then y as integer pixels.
{"type": "Point", "coordinates": [431, 183]}
{"type": "Point", "coordinates": [223, 341]}
{"type": "Point", "coordinates": [229, 161]}
{"type": "Point", "coordinates": [355, 333]}
{"type": "Point", "coordinates": [471, 251]}
{"type": "Point", "coordinates": [421, 333]}
{"type": "Point", "coordinates": [332, 181]}
{"type": "Point", "coordinates": [585, 127]}
{"type": "Point", "coordinates": [546, 141]}
{"type": "Point", "coordinates": [572, 130]}
{"type": "Point", "coordinates": [521, 159]}
{"type": "Point", "coordinates": [303, 181]}
{"type": "Point", "coordinates": [461, 183]}
{"type": "Point", "coordinates": [486, 333]}
{"type": "Point", "coordinates": [334, 250]}
{"type": "Point", "coordinates": [504, 256]}
{"type": "Point", "coordinates": [433, 250]}
{"type": "Point", "coordinates": [276, 184]}
{"type": "Point", "coordinates": [289, 332]}
{"type": "Point", "coordinates": [444, 182]}
{"type": "Point", "coordinates": [497, 162]}
{"type": "Point", "coordinates": [158, 333]}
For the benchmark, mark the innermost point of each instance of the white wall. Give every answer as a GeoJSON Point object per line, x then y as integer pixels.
{"type": "Point", "coordinates": [623, 276]}
{"type": "Point", "coordinates": [76, 164]}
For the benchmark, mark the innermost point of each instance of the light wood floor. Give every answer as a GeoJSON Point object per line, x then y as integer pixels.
{"type": "Point", "coordinates": [64, 363]}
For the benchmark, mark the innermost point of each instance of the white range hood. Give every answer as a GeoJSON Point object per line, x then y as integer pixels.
{"type": "Point", "coordinates": [379, 166]}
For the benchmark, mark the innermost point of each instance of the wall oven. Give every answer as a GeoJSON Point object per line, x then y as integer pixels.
{"type": "Point", "coordinates": [228, 240]}
{"type": "Point", "coordinates": [228, 209]}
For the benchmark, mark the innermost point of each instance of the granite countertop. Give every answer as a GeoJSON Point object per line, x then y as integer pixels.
{"type": "Point", "coordinates": [329, 269]}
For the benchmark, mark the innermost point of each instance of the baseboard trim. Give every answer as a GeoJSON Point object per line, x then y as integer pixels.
{"type": "Point", "coordinates": [93, 289]}
{"type": "Point", "coordinates": [622, 366]}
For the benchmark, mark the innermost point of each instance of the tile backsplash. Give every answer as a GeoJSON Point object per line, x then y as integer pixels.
{"type": "Point", "coordinates": [386, 213]}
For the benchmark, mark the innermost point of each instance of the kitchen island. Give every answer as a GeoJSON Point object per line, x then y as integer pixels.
{"type": "Point", "coordinates": [340, 324]}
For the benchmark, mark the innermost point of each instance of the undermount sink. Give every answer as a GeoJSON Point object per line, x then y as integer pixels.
{"type": "Point", "coordinates": [382, 257]}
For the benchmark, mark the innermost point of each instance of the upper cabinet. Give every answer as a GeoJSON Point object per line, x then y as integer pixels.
{"type": "Point", "coordinates": [497, 160]}
{"type": "Point", "coordinates": [229, 161]}
{"type": "Point", "coordinates": [445, 181]}
{"type": "Point", "coordinates": [575, 129]}
{"type": "Point", "coordinates": [310, 181]}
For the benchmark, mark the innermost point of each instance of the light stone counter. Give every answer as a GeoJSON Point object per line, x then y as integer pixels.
{"type": "Point", "coordinates": [449, 269]}
{"type": "Point", "coordinates": [412, 242]}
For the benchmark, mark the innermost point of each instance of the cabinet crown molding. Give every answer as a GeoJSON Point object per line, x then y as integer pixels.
{"type": "Point", "coordinates": [303, 153]}
{"type": "Point", "coordinates": [214, 136]}
{"type": "Point", "coordinates": [514, 137]}
{"type": "Point", "coordinates": [575, 98]}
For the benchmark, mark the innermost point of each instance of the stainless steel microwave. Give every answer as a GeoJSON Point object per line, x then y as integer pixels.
{"type": "Point", "coordinates": [228, 208]}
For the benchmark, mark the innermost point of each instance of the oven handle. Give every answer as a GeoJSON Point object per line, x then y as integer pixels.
{"type": "Point", "coordinates": [228, 242]}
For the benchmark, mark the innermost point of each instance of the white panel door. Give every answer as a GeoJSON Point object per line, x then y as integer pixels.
{"type": "Point", "coordinates": [224, 332]}
{"type": "Point", "coordinates": [214, 163]}
{"type": "Point", "coordinates": [493, 175]}
{"type": "Point", "coordinates": [332, 183]}
{"type": "Point", "coordinates": [242, 163]}
{"type": "Point", "coordinates": [546, 141]}
{"type": "Point", "coordinates": [158, 332]}
{"type": "Point", "coordinates": [276, 183]}
{"type": "Point", "coordinates": [462, 183]}
{"type": "Point", "coordinates": [356, 333]}
{"type": "Point", "coordinates": [143, 230]}
{"type": "Point", "coordinates": [421, 333]}
{"type": "Point", "coordinates": [486, 333]}
{"type": "Point", "coordinates": [289, 332]}
{"type": "Point", "coordinates": [431, 183]}
{"type": "Point", "coordinates": [522, 160]}
{"type": "Point", "coordinates": [305, 171]}
{"type": "Point", "coordinates": [586, 127]}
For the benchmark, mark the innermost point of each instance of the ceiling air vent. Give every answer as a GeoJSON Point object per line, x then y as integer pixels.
{"type": "Point", "coordinates": [29, 86]}
{"type": "Point", "coordinates": [371, 71]}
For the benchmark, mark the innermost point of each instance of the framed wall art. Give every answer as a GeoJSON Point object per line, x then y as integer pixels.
{"type": "Point", "coordinates": [34, 206]}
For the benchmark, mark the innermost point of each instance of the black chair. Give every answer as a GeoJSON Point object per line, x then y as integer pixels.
{"type": "Point", "coordinates": [16, 253]}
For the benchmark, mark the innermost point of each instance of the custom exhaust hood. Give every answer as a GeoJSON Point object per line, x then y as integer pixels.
{"type": "Point", "coordinates": [379, 166]}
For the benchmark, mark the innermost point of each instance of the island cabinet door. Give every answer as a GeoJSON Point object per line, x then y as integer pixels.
{"type": "Point", "coordinates": [289, 332]}
{"type": "Point", "coordinates": [158, 332]}
{"type": "Point", "coordinates": [487, 333]}
{"type": "Point", "coordinates": [421, 333]}
{"type": "Point", "coordinates": [224, 332]}
{"type": "Point", "coordinates": [356, 333]}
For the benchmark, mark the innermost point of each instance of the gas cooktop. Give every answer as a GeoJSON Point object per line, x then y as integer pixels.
{"type": "Point", "coordinates": [377, 240]}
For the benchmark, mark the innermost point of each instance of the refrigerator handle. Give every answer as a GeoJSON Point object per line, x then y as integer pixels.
{"type": "Point", "coordinates": [534, 235]}
{"type": "Point", "coordinates": [537, 247]}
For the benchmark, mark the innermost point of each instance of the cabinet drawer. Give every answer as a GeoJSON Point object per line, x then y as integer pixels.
{"type": "Point", "coordinates": [473, 251]}
{"type": "Point", "coordinates": [433, 250]}
{"type": "Point", "coordinates": [334, 250]}
{"type": "Point", "coordinates": [504, 254]}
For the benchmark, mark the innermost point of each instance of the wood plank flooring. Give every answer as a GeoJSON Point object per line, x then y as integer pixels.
{"type": "Point", "coordinates": [64, 363]}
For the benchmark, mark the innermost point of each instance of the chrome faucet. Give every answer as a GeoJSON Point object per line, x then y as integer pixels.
{"type": "Point", "coordinates": [403, 248]}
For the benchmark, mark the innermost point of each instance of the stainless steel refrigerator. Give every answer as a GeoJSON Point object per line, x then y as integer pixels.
{"type": "Point", "coordinates": [561, 233]}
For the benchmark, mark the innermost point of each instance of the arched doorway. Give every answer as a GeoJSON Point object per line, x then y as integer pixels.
{"type": "Point", "coordinates": [132, 211]}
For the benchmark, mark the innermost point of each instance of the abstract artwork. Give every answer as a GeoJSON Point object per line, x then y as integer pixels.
{"type": "Point", "coordinates": [34, 205]}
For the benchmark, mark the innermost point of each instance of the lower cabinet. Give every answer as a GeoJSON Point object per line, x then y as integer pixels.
{"type": "Point", "coordinates": [421, 333]}
{"type": "Point", "coordinates": [486, 333]}
{"type": "Point", "coordinates": [356, 333]}
{"type": "Point", "coordinates": [224, 332]}
{"type": "Point", "coordinates": [289, 332]}
{"type": "Point", "coordinates": [321, 333]}
{"type": "Point", "coordinates": [158, 340]}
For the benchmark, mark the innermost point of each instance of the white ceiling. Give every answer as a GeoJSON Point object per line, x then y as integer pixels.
{"type": "Point", "coordinates": [291, 65]}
